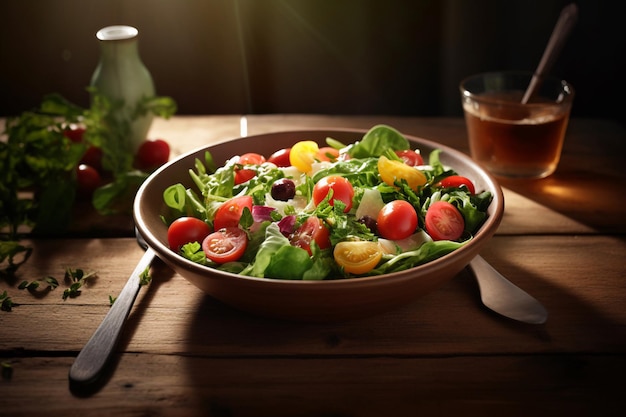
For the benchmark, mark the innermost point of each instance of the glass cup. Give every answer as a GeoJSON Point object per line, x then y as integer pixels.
{"type": "Point", "coordinates": [509, 138]}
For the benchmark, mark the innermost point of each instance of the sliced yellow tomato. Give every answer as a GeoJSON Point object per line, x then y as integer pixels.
{"type": "Point", "coordinates": [303, 155]}
{"type": "Point", "coordinates": [391, 171]}
{"type": "Point", "coordinates": [357, 257]}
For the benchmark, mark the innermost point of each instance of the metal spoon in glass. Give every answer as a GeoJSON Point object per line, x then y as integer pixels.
{"type": "Point", "coordinates": [503, 297]}
{"type": "Point", "coordinates": [90, 362]}
{"type": "Point", "coordinates": [563, 27]}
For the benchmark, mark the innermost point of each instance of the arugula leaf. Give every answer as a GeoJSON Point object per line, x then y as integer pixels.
{"type": "Point", "coordinates": [428, 251]}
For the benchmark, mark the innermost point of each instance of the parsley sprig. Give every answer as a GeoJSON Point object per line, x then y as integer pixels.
{"type": "Point", "coordinates": [77, 279]}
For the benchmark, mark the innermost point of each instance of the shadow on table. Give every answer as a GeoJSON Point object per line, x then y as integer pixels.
{"type": "Point", "coordinates": [435, 356]}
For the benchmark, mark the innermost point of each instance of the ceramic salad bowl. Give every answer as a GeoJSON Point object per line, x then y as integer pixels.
{"type": "Point", "coordinates": [316, 301]}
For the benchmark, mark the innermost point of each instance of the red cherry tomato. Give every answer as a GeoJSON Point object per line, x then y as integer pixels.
{"type": "Point", "coordinates": [251, 158]}
{"type": "Point", "coordinates": [341, 187]}
{"type": "Point", "coordinates": [93, 157]}
{"type": "Point", "coordinates": [327, 154]}
{"type": "Point", "coordinates": [410, 157]}
{"type": "Point", "coordinates": [280, 158]}
{"type": "Point", "coordinates": [458, 181]}
{"type": "Point", "coordinates": [229, 213]}
{"type": "Point", "coordinates": [444, 221]}
{"type": "Point", "coordinates": [242, 174]}
{"type": "Point", "coordinates": [75, 135]}
{"type": "Point", "coordinates": [152, 154]}
{"type": "Point", "coordinates": [225, 245]}
{"type": "Point", "coordinates": [186, 230]}
{"type": "Point", "coordinates": [313, 229]}
{"type": "Point", "coordinates": [88, 179]}
{"type": "Point", "coordinates": [93, 154]}
{"type": "Point", "coordinates": [397, 220]}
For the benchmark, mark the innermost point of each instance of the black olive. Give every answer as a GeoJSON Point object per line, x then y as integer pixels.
{"type": "Point", "coordinates": [283, 189]}
{"type": "Point", "coordinates": [369, 222]}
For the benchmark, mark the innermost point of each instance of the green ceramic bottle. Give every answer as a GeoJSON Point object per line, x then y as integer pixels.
{"type": "Point", "coordinates": [121, 75]}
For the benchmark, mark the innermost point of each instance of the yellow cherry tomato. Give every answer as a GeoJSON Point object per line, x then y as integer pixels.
{"type": "Point", "coordinates": [391, 171]}
{"type": "Point", "coordinates": [358, 257]}
{"type": "Point", "coordinates": [303, 155]}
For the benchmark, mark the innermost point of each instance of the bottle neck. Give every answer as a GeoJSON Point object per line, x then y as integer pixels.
{"type": "Point", "coordinates": [114, 50]}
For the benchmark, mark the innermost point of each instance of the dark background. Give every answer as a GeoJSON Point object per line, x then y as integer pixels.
{"type": "Point", "coordinates": [397, 57]}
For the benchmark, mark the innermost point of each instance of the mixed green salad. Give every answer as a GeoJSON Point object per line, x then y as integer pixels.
{"type": "Point", "coordinates": [312, 213]}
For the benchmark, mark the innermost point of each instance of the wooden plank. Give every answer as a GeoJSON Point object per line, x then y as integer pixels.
{"type": "Point", "coordinates": [584, 299]}
{"type": "Point", "coordinates": [166, 385]}
{"type": "Point", "coordinates": [186, 133]}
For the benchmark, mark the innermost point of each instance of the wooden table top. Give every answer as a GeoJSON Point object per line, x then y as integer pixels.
{"type": "Point", "coordinates": [562, 239]}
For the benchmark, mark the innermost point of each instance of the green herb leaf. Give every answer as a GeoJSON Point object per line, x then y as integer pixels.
{"type": "Point", "coordinates": [6, 304]}
{"type": "Point", "coordinates": [145, 278]}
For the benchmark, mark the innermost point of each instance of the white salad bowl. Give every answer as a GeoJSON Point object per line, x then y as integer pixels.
{"type": "Point", "coordinates": [316, 301]}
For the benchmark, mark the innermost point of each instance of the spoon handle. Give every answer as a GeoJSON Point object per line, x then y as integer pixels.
{"type": "Point", "coordinates": [561, 30]}
{"type": "Point", "coordinates": [91, 360]}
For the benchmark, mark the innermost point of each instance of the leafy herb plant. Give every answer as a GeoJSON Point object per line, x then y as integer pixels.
{"type": "Point", "coordinates": [38, 167]}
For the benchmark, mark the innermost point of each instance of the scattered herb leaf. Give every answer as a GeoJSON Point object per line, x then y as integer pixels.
{"type": "Point", "coordinates": [77, 278]}
{"type": "Point", "coordinates": [6, 304]}
{"type": "Point", "coordinates": [145, 278]}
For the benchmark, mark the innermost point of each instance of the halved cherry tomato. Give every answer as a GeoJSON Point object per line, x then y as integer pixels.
{"type": "Point", "coordinates": [391, 171]}
{"type": "Point", "coordinates": [357, 257]}
{"type": "Point", "coordinates": [225, 245]}
{"type": "Point", "coordinates": [341, 187]}
{"type": "Point", "coordinates": [303, 155]}
{"type": "Point", "coordinates": [229, 213]}
{"type": "Point", "coordinates": [410, 157]}
{"type": "Point", "coordinates": [327, 154]}
{"type": "Point", "coordinates": [186, 230]}
{"type": "Point", "coordinates": [152, 154]}
{"type": "Point", "coordinates": [397, 220]}
{"type": "Point", "coordinates": [243, 174]}
{"type": "Point", "coordinates": [313, 229]}
{"type": "Point", "coordinates": [444, 221]}
{"type": "Point", "coordinates": [280, 158]}
{"type": "Point", "coordinates": [458, 181]}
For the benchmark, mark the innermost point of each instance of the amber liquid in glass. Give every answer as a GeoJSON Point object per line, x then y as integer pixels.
{"type": "Point", "coordinates": [512, 140]}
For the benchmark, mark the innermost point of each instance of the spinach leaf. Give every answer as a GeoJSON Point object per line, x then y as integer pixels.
{"type": "Point", "coordinates": [376, 141]}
